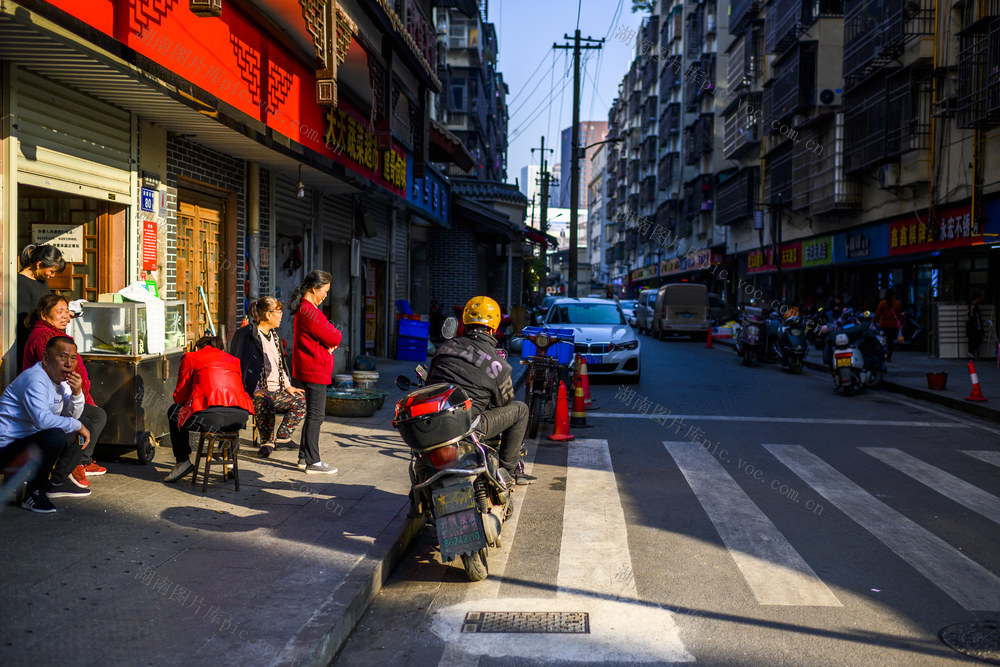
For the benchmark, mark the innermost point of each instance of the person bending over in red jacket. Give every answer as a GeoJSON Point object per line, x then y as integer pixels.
{"type": "Point", "coordinates": [209, 397]}
{"type": "Point", "coordinates": [314, 340]}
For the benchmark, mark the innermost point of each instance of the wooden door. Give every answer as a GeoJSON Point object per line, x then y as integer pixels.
{"type": "Point", "coordinates": [199, 244]}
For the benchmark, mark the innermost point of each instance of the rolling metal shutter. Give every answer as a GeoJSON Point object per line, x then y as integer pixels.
{"type": "Point", "coordinates": [338, 212]}
{"type": "Point", "coordinates": [376, 247]}
{"type": "Point", "coordinates": [70, 142]}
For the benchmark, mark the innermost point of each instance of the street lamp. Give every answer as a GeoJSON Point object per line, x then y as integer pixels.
{"type": "Point", "coordinates": [610, 140]}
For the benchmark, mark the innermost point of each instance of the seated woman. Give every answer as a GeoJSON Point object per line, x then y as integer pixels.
{"type": "Point", "coordinates": [49, 320]}
{"type": "Point", "coordinates": [265, 376]}
{"type": "Point", "coordinates": [209, 397]}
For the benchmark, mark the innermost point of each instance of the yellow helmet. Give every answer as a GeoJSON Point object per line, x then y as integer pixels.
{"type": "Point", "coordinates": [482, 310]}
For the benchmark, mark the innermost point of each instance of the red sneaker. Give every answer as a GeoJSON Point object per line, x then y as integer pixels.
{"type": "Point", "coordinates": [92, 469]}
{"type": "Point", "coordinates": [79, 477]}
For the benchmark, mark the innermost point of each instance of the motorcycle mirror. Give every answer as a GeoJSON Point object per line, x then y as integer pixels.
{"type": "Point", "coordinates": [403, 382]}
{"type": "Point", "coordinates": [449, 328]}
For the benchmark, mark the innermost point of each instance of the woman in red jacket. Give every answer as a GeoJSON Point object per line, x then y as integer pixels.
{"type": "Point", "coordinates": [314, 340]}
{"type": "Point", "coordinates": [209, 396]}
{"type": "Point", "coordinates": [49, 320]}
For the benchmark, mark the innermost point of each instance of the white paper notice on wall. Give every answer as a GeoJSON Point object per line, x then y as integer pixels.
{"type": "Point", "coordinates": [68, 238]}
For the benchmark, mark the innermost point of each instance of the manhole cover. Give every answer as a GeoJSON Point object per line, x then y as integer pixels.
{"type": "Point", "coordinates": [978, 640]}
{"type": "Point", "coordinates": [566, 622]}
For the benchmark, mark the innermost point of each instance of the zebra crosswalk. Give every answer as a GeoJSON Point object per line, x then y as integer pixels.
{"type": "Point", "coordinates": [594, 549]}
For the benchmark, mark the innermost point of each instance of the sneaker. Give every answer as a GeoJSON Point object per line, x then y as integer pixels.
{"type": "Point", "coordinates": [301, 464]}
{"type": "Point", "coordinates": [38, 502]}
{"type": "Point", "coordinates": [66, 491]}
{"type": "Point", "coordinates": [285, 444]}
{"type": "Point", "coordinates": [320, 468]}
{"type": "Point", "coordinates": [93, 470]}
{"type": "Point", "coordinates": [524, 479]}
{"type": "Point", "coordinates": [179, 470]}
{"type": "Point", "coordinates": [79, 477]}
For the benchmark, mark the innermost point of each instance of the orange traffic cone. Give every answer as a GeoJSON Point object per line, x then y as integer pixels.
{"type": "Point", "coordinates": [561, 432]}
{"type": "Point", "coordinates": [578, 418]}
{"type": "Point", "coordinates": [977, 391]}
{"type": "Point", "coordinates": [708, 339]}
{"type": "Point", "coordinates": [581, 371]}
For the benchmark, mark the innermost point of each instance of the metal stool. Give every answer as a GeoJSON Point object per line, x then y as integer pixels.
{"type": "Point", "coordinates": [229, 447]}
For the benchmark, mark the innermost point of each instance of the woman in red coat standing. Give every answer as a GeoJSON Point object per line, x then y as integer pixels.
{"type": "Point", "coordinates": [314, 340]}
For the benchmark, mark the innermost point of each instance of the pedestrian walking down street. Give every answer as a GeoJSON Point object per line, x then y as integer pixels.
{"type": "Point", "coordinates": [314, 341]}
{"type": "Point", "coordinates": [887, 318]}
{"type": "Point", "coordinates": [974, 326]}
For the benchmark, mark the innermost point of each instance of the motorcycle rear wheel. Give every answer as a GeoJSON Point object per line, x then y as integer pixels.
{"type": "Point", "coordinates": [476, 568]}
{"type": "Point", "coordinates": [535, 409]}
{"type": "Point", "coordinates": [848, 390]}
{"type": "Point", "coordinates": [748, 356]}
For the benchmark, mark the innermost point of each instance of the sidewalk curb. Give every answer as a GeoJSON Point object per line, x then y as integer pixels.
{"type": "Point", "coordinates": [350, 600]}
{"type": "Point", "coordinates": [974, 409]}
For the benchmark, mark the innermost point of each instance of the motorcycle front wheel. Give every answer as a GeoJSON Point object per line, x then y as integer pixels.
{"type": "Point", "coordinates": [535, 409]}
{"type": "Point", "coordinates": [476, 568]}
{"type": "Point", "coordinates": [795, 364]}
{"type": "Point", "coordinates": [748, 356]}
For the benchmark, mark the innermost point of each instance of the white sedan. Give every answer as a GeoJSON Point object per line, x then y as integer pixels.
{"type": "Point", "coordinates": [602, 335]}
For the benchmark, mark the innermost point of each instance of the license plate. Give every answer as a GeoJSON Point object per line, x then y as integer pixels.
{"type": "Point", "coordinates": [593, 358]}
{"type": "Point", "coordinates": [453, 499]}
{"type": "Point", "coordinates": [843, 361]}
{"type": "Point", "coordinates": [461, 532]}
{"type": "Point", "coordinates": [687, 315]}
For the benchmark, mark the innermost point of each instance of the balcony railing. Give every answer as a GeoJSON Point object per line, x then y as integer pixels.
{"type": "Point", "coordinates": [670, 77]}
{"type": "Point", "coordinates": [745, 58]}
{"type": "Point", "coordinates": [742, 129]}
{"type": "Point", "coordinates": [831, 189]}
{"type": "Point", "coordinates": [699, 138]}
{"type": "Point", "coordinates": [979, 73]}
{"type": "Point", "coordinates": [649, 151]}
{"type": "Point", "coordinates": [698, 197]}
{"type": "Point", "coordinates": [741, 12]}
{"type": "Point", "coordinates": [778, 175]}
{"type": "Point", "coordinates": [670, 121]}
{"type": "Point", "coordinates": [667, 169]}
{"type": "Point", "coordinates": [633, 171]}
{"type": "Point", "coordinates": [791, 89]}
{"type": "Point", "coordinates": [875, 32]}
{"type": "Point", "coordinates": [647, 191]}
{"type": "Point", "coordinates": [908, 111]}
{"type": "Point", "coordinates": [692, 89]}
{"type": "Point", "coordinates": [737, 196]}
{"type": "Point", "coordinates": [693, 31]}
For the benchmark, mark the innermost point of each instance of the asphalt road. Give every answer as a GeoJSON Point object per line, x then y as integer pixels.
{"type": "Point", "coordinates": [729, 516]}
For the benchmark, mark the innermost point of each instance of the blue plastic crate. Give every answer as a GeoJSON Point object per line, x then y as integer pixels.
{"type": "Point", "coordinates": [562, 351]}
{"type": "Point", "coordinates": [415, 329]}
{"type": "Point", "coordinates": [411, 349]}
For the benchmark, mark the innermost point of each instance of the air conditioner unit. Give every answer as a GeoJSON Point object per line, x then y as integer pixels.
{"type": "Point", "coordinates": [888, 176]}
{"type": "Point", "coordinates": [829, 97]}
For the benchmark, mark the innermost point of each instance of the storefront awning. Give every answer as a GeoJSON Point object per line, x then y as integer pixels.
{"type": "Point", "coordinates": [446, 147]}
{"type": "Point", "coordinates": [536, 236]}
{"type": "Point", "coordinates": [484, 218]}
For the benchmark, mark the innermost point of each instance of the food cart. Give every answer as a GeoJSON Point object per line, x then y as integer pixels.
{"type": "Point", "coordinates": [133, 386]}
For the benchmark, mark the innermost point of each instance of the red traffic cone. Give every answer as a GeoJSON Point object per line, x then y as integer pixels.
{"type": "Point", "coordinates": [578, 418]}
{"type": "Point", "coordinates": [708, 339]}
{"type": "Point", "coordinates": [581, 371]}
{"type": "Point", "coordinates": [561, 432]}
{"type": "Point", "coordinates": [977, 391]}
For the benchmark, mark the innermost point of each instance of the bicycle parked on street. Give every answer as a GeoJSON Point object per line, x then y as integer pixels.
{"type": "Point", "coordinates": [547, 363]}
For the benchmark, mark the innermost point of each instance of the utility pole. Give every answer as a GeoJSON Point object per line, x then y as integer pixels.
{"type": "Point", "coordinates": [545, 180]}
{"type": "Point", "coordinates": [574, 185]}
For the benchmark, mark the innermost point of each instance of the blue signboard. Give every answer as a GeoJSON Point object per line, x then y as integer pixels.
{"type": "Point", "coordinates": [431, 194]}
{"type": "Point", "coordinates": [854, 245]}
{"type": "Point", "coordinates": [146, 199]}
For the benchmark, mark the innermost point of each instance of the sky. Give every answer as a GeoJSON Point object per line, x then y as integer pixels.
{"type": "Point", "coordinates": [541, 96]}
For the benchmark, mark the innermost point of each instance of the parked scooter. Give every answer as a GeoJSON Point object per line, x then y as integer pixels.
{"type": "Point", "coordinates": [456, 478]}
{"type": "Point", "coordinates": [790, 343]}
{"type": "Point", "coordinates": [855, 353]}
{"type": "Point", "coordinates": [756, 341]}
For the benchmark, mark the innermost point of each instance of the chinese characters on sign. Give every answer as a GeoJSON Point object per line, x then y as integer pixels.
{"type": "Point", "coordinates": [348, 137]}
{"type": "Point", "coordinates": [950, 228]}
{"type": "Point", "coordinates": [761, 261]}
{"type": "Point", "coordinates": [68, 238]}
{"type": "Point", "coordinates": [858, 245]}
{"type": "Point", "coordinates": [149, 246]}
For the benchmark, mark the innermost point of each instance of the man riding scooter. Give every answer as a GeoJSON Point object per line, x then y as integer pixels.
{"type": "Point", "coordinates": [471, 362]}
